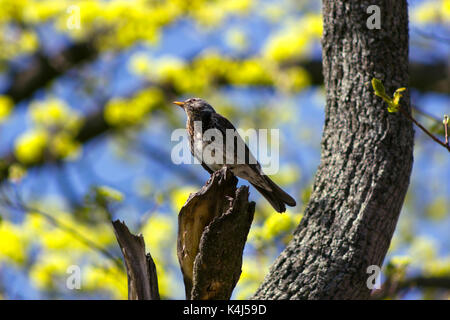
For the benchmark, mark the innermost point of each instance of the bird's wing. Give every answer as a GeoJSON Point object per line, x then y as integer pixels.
{"type": "Point", "coordinates": [241, 152]}
{"type": "Point", "coordinates": [205, 118]}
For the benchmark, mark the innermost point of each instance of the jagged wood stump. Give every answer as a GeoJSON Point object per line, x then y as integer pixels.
{"type": "Point", "coordinates": [213, 226]}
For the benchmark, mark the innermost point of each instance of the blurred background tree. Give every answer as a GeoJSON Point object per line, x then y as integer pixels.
{"type": "Point", "coordinates": [86, 119]}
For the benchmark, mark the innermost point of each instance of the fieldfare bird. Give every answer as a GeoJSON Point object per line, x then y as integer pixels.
{"type": "Point", "coordinates": [210, 137]}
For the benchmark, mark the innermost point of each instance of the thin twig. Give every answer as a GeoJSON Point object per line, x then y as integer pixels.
{"type": "Point", "coordinates": [432, 136]}
{"type": "Point", "coordinates": [425, 114]}
{"type": "Point", "coordinates": [445, 122]}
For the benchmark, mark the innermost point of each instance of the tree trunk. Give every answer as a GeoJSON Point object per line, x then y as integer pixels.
{"type": "Point", "coordinates": [366, 160]}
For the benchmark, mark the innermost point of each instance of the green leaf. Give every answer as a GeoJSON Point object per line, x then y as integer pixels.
{"type": "Point", "coordinates": [393, 104]}
{"type": "Point", "coordinates": [378, 87]}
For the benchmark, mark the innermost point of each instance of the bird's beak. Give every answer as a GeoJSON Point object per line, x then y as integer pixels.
{"type": "Point", "coordinates": [179, 103]}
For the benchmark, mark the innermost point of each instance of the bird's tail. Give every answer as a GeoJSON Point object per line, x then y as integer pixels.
{"type": "Point", "coordinates": [277, 197]}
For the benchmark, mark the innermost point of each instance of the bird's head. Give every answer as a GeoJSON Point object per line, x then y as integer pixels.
{"type": "Point", "coordinates": [195, 106]}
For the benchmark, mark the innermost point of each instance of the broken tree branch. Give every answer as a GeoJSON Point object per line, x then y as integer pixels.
{"type": "Point", "coordinates": [141, 270]}
{"type": "Point", "coordinates": [212, 230]}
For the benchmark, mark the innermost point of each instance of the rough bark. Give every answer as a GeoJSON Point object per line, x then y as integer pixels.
{"type": "Point", "coordinates": [366, 160]}
{"type": "Point", "coordinates": [212, 230]}
{"type": "Point", "coordinates": [141, 270]}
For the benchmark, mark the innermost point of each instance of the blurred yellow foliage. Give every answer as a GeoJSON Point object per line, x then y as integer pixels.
{"type": "Point", "coordinates": [58, 124]}
{"type": "Point", "coordinates": [286, 45]}
{"type": "Point", "coordinates": [49, 268]}
{"type": "Point", "coordinates": [293, 79]}
{"type": "Point", "coordinates": [16, 172]}
{"type": "Point", "coordinates": [165, 68]}
{"type": "Point", "coordinates": [237, 39]}
{"type": "Point", "coordinates": [277, 224]}
{"type": "Point", "coordinates": [438, 267]}
{"type": "Point", "coordinates": [139, 20]}
{"type": "Point", "coordinates": [446, 9]}
{"type": "Point", "coordinates": [249, 72]}
{"type": "Point", "coordinates": [158, 231]}
{"type": "Point", "coordinates": [28, 41]}
{"type": "Point", "coordinates": [159, 235]}
{"type": "Point", "coordinates": [59, 249]}
{"type": "Point", "coordinates": [63, 145]}
{"type": "Point", "coordinates": [34, 224]}
{"type": "Point", "coordinates": [108, 278]}
{"type": "Point", "coordinates": [211, 67]}
{"type": "Point", "coordinates": [438, 209]}
{"type": "Point", "coordinates": [54, 113]}
{"type": "Point", "coordinates": [13, 243]}
{"type": "Point", "coordinates": [123, 112]}
{"type": "Point", "coordinates": [6, 105]}
{"type": "Point", "coordinates": [400, 261]}
{"type": "Point", "coordinates": [108, 194]}
{"type": "Point", "coordinates": [422, 249]}
{"type": "Point", "coordinates": [273, 12]}
{"type": "Point", "coordinates": [212, 13]}
{"type": "Point", "coordinates": [41, 11]}
{"type": "Point", "coordinates": [289, 44]}
{"type": "Point", "coordinates": [253, 271]}
{"type": "Point", "coordinates": [29, 147]}
{"type": "Point", "coordinates": [274, 226]}
{"type": "Point", "coordinates": [432, 11]}
{"type": "Point", "coordinates": [180, 195]}
{"type": "Point", "coordinates": [140, 64]}
{"type": "Point", "coordinates": [288, 174]}
{"type": "Point", "coordinates": [15, 42]}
